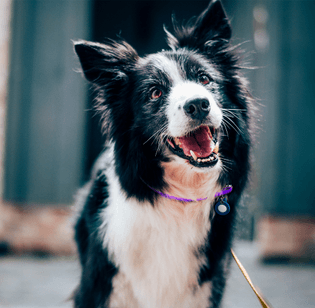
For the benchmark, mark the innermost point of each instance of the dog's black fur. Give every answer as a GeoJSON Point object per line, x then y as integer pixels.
{"type": "Point", "coordinates": [122, 86]}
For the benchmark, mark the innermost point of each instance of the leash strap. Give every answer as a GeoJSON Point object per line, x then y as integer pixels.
{"type": "Point", "coordinates": [241, 267]}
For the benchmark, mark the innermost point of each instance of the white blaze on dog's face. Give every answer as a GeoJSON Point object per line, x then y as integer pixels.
{"type": "Point", "coordinates": [190, 105]}
{"type": "Point", "coordinates": [180, 123]}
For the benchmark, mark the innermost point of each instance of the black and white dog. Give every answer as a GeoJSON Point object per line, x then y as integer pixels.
{"type": "Point", "coordinates": [178, 122]}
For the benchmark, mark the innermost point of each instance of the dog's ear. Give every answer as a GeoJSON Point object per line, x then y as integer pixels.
{"type": "Point", "coordinates": [103, 63]}
{"type": "Point", "coordinates": [212, 24]}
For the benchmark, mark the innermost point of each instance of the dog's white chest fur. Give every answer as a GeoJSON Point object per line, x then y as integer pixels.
{"type": "Point", "coordinates": [155, 249]}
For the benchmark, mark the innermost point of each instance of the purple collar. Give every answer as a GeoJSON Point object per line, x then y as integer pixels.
{"type": "Point", "coordinates": [226, 190]}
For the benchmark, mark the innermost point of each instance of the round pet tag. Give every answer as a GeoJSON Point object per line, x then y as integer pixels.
{"type": "Point", "coordinates": [222, 207]}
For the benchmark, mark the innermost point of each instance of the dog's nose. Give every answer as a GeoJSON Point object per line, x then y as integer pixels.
{"type": "Point", "coordinates": [197, 108]}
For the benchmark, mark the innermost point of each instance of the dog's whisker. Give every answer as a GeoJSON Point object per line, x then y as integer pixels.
{"type": "Point", "coordinates": [226, 169]}
{"type": "Point", "coordinates": [154, 135]}
{"type": "Point", "coordinates": [234, 109]}
{"type": "Point", "coordinates": [225, 129]}
{"type": "Point", "coordinates": [159, 138]}
{"type": "Point", "coordinates": [226, 160]}
{"type": "Point", "coordinates": [157, 133]}
{"type": "Point", "coordinates": [230, 114]}
{"type": "Point", "coordinates": [232, 125]}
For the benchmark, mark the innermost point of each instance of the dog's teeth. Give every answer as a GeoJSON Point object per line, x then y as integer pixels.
{"type": "Point", "coordinates": [194, 156]}
{"type": "Point", "coordinates": [216, 148]}
{"type": "Point", "coordinates": [176, 140]}
{"type": "Point", "coordinates": [199, 160]}
{"type": "Point", "coordinates": [209, 132]}
{"type": "Point", "coordinates": [171, 143]}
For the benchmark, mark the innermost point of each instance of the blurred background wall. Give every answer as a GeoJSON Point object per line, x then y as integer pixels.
{"type": "Point", "coordinates": [51, 136]}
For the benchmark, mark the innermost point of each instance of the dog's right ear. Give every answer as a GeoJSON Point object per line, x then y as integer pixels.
{"type": "Point", "coordinates": [103, 63]}
{"type": "Point", "coordinates": [211, 25]}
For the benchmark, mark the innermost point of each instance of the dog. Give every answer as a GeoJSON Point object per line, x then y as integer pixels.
{"type": "Point", "coordinates": [178, 122]}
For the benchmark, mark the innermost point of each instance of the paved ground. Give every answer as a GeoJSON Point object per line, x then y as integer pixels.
{"type": "Point", "coordinates": [46, 283]}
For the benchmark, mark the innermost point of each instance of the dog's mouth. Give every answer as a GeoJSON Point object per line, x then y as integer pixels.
{"type": "Point", "coordinates": [200, 147]}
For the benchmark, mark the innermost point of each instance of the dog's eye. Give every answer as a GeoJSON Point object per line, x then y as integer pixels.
{"type": "Point", "coordinates": [204, 79]}
{"type": "Point", "coordinates": [156, 93]}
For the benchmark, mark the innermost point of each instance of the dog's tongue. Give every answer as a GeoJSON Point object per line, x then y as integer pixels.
{"type": "Point", "coordinates": [198, 141]}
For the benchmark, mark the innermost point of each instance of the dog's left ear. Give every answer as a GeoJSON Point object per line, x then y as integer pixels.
{"type": "Point", "coordinates": [212, 24]}
{"type": "Point", "coordinates": [103, 64]}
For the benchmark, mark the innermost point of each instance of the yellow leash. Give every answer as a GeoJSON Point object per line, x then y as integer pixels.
{"type": "Point", "coordinates": [259, 296]}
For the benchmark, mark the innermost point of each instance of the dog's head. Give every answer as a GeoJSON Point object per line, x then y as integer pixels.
{"type": "Point", "coordinates": [178, 104]}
